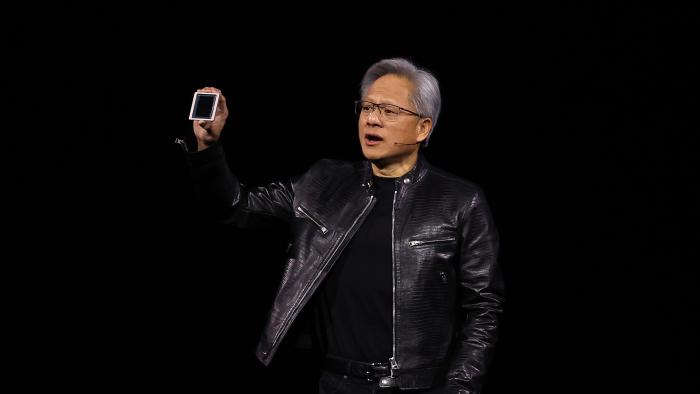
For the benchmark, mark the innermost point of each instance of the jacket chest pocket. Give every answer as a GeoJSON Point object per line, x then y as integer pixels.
{"type": "Point", "coordinates": [434, 257]}
{"type": "Point", "coordinates": [422, 242]}
{"type": "Point", "coordinates": [301, 211]}
{"type": "Point", "coordinates": [437, 249]}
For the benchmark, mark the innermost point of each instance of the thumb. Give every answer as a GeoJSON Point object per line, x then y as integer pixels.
{"type": "Point", "coordinates": [204, 124]}
{"type": "Point", "coordinates": [198, 126]}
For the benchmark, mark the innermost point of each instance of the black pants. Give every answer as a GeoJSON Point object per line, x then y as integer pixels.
{"type": "Point", "coordinates": [333, 383]}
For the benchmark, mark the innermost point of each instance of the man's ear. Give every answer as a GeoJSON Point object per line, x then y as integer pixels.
{"type": "Point", "coordinates": [423, 129]}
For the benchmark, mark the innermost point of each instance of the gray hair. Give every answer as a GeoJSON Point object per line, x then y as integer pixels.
{"type": "Point", "coordinates": [426, 97]}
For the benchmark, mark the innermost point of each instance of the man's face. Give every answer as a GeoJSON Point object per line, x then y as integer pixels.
{"type": "Point", "coordinates": [378, 134]}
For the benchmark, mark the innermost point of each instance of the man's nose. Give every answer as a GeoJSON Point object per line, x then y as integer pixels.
{"type": "Point", "coordinates": [373, 117]}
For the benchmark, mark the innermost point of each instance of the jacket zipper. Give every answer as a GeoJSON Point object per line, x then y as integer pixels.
{"type": "Point", "coordinates": [183, 144]}
{"type": "Point", "coordinates": [392, 360]}
{"type": "Point", "coordinates": [318, 224]}
{"type": "Point", "coordinates": [331, 258]}
{"type": "Point", "coordinates": [431, 241]}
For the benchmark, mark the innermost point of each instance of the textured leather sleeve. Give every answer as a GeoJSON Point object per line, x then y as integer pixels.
{"type": "Point", "coordinates": [481, 299]}
{"type": "Point", "coordinates": [221, 196]}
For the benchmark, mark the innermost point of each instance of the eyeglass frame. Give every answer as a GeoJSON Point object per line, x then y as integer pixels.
{"type": "Point", "coordinates": [381, 107]}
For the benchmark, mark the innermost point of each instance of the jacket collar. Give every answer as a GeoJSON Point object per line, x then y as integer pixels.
{"type": "Point", "coordinates": [412, 176]}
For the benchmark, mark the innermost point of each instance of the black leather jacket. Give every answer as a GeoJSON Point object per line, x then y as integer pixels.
{"type": "Point", "coordinates": [448, 291]}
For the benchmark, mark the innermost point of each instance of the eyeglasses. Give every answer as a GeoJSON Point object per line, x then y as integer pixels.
{"type": "Point", "coordinates": [386, 111]}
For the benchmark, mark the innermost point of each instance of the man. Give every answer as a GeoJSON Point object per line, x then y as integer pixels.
{"type": "Point", "coordinates": [398, 256]}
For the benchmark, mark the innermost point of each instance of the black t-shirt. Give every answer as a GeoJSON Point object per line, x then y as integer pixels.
{"type": "Point", "coordinates": [355, 301]}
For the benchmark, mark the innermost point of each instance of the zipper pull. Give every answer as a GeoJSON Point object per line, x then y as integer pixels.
{"type": "Point", "coordinates": [394, 365]}
{"type": "Point", "coordinates": [182, 144]}
{"type": "Point", "coordinates": [389, 381]}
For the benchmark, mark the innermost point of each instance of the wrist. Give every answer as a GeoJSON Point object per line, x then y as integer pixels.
{"type": "Point", "coordinates": [201, 145]}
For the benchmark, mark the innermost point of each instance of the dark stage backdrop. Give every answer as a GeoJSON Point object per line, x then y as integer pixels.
{"type": "Point", "coordinates": [578, 121]}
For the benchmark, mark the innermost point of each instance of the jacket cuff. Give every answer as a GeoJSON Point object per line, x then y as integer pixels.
{"type": "Point", "coordinates": [211, 154]}
{"type": "Point", "coordinates": [452, 387]}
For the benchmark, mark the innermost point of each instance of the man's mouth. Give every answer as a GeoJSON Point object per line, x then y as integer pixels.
{"type": "Point", "coordinates": [373, 139]}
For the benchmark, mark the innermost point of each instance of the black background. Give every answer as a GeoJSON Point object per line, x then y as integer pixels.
{"type": "Point", "coordinates": [577, 120]}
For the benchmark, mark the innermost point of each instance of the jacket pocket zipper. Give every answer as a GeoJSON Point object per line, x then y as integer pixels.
{"type": "Point", "coordinates": [318, 224]}
{"type": "Point", "coordinates": [430, 241]}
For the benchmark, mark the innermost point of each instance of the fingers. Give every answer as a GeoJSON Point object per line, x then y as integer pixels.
{"type": "Point", "coordinates": [203, 124]}
{"type": "Point", "coordinates": [209, 89]}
